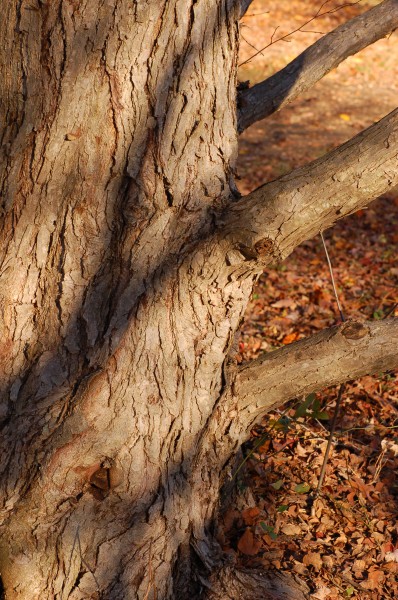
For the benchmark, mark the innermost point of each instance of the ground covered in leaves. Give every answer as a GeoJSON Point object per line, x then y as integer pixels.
{"type": "Point", "coordinates": [344, 543]}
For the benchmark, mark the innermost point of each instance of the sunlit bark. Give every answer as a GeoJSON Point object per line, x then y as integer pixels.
{"type": "Point", "coordinates": [271, 221]}
{"type": "Point", "coordinates": [329, 357]}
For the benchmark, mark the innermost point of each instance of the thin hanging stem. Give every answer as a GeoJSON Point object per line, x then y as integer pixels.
{"type": "Point", "coordinates": [330, 440]}
{"type": "Point", "coordinates": [341, 388]}
{"type": "Point", "coordinates": [391, 310]}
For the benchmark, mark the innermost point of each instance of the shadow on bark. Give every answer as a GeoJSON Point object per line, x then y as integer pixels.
{"type": "Point", "coordinates": [43, 403]}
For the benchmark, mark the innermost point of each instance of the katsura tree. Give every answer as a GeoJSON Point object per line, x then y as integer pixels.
{"type": "Point", "coordinates": [127, 260]}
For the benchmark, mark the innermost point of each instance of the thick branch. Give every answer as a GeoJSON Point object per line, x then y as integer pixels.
{"type": "Point", "coordinates": [316, 61]}
{"type": "Point", "coordinates": [244, 5]}
{"type": "Point", "coordinates": [327, 358]}
{"type": "Point", "coordinates": [270, 222]}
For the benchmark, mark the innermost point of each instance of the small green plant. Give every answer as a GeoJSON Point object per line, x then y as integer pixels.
{"type": "Point", "coordinates": [311, 407]}
{"type": "Point", "coordinates": [269, 529]}
{"type": "Point", "coordinates": [378, 314]}
{"type": "Point", "coordinates": [281, 424]}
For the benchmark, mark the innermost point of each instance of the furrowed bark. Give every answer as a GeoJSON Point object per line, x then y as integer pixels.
{"type": "Point", "coordinates": [256, 584]}
{"type": "Point", "coordinates": [316, 61]}
{"type": "Point", "coordinates": [329, 357]}
{"type": "Point", "coordinates": [113, 331]}
{"type": "Point", "coordinates": [268, 223]}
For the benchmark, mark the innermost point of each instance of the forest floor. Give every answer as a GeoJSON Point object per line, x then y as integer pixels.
{"type": "Point", "coordinates": [344, 544]}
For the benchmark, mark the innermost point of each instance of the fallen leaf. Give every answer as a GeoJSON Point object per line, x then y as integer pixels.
{"type": "Point", "coordinates": [249, 515]}
{"type": "Point", "coordinates": [313, 559]}
{"type": "Point", "coordinates": [378, 537]}
{"type": "Point", "coordinates": [321, 593]}
{"type": "Point", "coordinates": [392, 556]}
{"type": "Point", "coordinates": [302, 488]}
{"type": "Point", "coordinates": [278, 484]}
{"type": "Point", "coordinates": [248, 544]}
{"type": "Point", "coordinates": [291, 529]}
{"type": "Point", "coordinates": [374, 581]}
{"type": "Point", "coordinates": [291, 337]}
{"type": "Point", "coordinates": [359, 565]}
{"type": "Point", "coordinates": [284, 303]}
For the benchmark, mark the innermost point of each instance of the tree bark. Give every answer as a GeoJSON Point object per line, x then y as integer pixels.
{"type": "Point", "coordinates": [121, 292]}
{"type": "Point", "coordinates": [272, 94]}
{"type": "Point", "coordinates": [115, 326]}
{"type": "Point", "coordinates": [256, 585]}
{"type": "Point", "coordinates": [267, 224]}
{"type": "Point", "coordinates": [331, 356]}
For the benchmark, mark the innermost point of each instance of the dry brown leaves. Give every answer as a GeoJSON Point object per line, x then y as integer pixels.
{"type": "Point", "coordinates": [344, 543]}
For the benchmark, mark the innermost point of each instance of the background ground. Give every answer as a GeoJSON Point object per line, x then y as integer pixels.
{"type": "Point", "coordinates": [344, 544]}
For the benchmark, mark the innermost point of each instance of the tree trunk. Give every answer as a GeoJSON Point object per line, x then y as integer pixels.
{"type": "Point", "coordinates": [120, 297]}
{"type": "Point", "coordinates": [118, 312]}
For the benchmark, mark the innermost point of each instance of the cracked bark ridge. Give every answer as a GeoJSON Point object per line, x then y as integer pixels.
{"type": "Point", "coordinates": [230, 584]}
{"type": "Point", "coordinates": [270, 95]}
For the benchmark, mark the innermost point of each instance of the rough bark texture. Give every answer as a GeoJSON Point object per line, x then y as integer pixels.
{"type": "Point", "coordinates": [121, 293]}
{"type": "Point", "coordinates": [231, 584]}
{"type": "Point", "coordinates": [114, 328]}
{"type": "Point", "coordinates": [326, 54]}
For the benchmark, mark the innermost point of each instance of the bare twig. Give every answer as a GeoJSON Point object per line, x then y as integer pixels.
{"type": "Point", "coordinates": [380, 462]}
{"type": "Point", "coordinates": [332, 278]}
{"type": "Point", "coordinates": [330, 440]}
{"type": "Point", "coordinates": [317, 15]}
{"type": "Point", "coordinates": [265, 12]}
{"type": "Point", "coordinates": [150, 575]}
{"type": "Point", "coordinates": [249, 44]}
{"type": "Point", "coordinates": [390, 310]}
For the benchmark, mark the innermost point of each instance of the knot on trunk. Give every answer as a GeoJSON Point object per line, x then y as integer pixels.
{"type": "Point", "coordinates": [261, 249]}
{"type": "Point", "coordinates": [354, 330]}
{"type": "Point", "coordinates": [104, 479]}
{"type": "Point", "coordinates": [264, 246]}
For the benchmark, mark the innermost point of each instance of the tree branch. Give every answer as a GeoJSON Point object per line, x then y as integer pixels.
{"type": "Point", "coordinates": [244, 5]}
{"type": "Point", "coordinates": [316, 61]}
{"type": "Point", "coordinates": [267, 224]}
{"type": "Point", "coordinates": [327, 358]}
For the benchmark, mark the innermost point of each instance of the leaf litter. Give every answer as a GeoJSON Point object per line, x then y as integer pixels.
{"type": "Point", "coordinates": [344, 543]}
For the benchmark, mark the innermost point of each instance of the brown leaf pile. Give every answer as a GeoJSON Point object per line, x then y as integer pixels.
{"type": "Point", "coordinates": [343, 543]}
